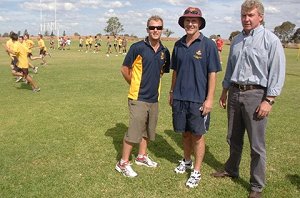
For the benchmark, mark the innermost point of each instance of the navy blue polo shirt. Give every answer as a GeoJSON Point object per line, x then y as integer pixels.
{"type": "Point", "coordinates": [193, 64]}
{"type": "Point", "coordinates": [147, 66]}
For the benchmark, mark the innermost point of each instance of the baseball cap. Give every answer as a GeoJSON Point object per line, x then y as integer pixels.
{"type": "Point", "coordinates": [192, 12]}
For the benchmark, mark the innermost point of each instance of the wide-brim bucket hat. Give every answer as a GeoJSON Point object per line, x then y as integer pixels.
{"type": "Point", "coordinates": [192, 12]}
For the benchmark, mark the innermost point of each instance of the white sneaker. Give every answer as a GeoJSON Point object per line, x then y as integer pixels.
{"type": "Point", "coordinates": [146, 161]}
{"type": "Point", "coordinates": [18, 79]}
{"type": "Point", "coordinates": [194, 179]}
{"type": "Point", "coordinates": [183, 166]}
{"type": "Point", "coordinates": [35, 70]}
{"type": "Point", "coordinates": [125, 169]}
{"type": "Point", "coordinates": [36, 90]}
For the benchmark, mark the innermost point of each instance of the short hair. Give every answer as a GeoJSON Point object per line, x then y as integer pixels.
{"type": "Point", "coordinates": [21, 37]}
{"type": "Point", "coordinates": [250, 4]}
{"type": "Point", "coordinates": [14, 36]}
{"type": "Point", "coordinates": [27, 35]}
{"type": "Point", "coordinates": [41, 36]}
{"type": "Point", "coordinates": [155, 18]}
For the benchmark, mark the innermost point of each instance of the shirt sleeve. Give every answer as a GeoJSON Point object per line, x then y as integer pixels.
{"type": "Point", "coordinates": [214, 61]}
{"type": "Point", "coordinates": [226, 81]}
{"type": "Point", "coordinates": [130, 57]}
{"type": "Point", "coordinates": [173, 59]}
{"type": "Point", "coordinates": [166, 66]}
{"type": "Point", "coordinates": [276, 69]}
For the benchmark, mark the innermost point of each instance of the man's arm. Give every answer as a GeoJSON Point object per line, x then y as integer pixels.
{"type": "Point", "coordinates": [208, 103]}
{"type": "Point", "coordinates": [127, 73]}
{"type": "Point", "coordinates": [174, 75]}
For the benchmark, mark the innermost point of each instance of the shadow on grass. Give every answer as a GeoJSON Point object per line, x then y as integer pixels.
{"type": "Point", "coordinates": [160, 147]}
{"type": "Point", "coordinates": [294, 179]}
{"type": "Point", "coordinates": [117, 134]}
{"type": "Point", "coordinates": [289, 74]}
{"type": "Point", "coordinates": [209, 158]}
{"type": "Point", "coordinates": [24, 86]}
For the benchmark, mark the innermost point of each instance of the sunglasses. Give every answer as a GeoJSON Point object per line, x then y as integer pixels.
{"type": "Point", "coordinates": [191, 12]}
{"type": "Point", "coordinates": [157, 27]}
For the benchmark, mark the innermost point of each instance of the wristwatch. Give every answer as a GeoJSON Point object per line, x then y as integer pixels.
{"type": "Point", "coordinates": [271, 102]}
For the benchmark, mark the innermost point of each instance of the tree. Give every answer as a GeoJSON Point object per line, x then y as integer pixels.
{"type": "Point", "coordinates": [25, 32]}
{"type": "Point", "coordinates": [113, 26]}
{"type": "Point", "coordinates": [52, 34]}
{"type": "Point", "coordinates": [167, 32]}
{"type": "Point", "coordinates": [76, 34]}
{"type": "Point", "coordinates": [233, 34]}
{"type": "Point", "coordinates": [5, 34]}
{"type": "Point", "coordinates": [285, 31]}
{"type": "Point", "coordinates": [296, 36]}
{"type": "Point", "coordinates": [19, 33]}
{"type": "Point", "coordinates": [46, 33]}
{"type": "Point", "coordinates": [213, 37]}
{"type": "Point", "coordinates": [64, 33]}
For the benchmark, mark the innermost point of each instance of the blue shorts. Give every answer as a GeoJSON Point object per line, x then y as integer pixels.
{"type": "Point", "coordinates": [188, 117]}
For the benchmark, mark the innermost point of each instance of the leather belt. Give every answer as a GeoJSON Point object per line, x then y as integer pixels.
{"type": "Point", "coordinates": [247, 87]}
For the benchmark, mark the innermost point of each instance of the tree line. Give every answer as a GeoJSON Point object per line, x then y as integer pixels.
{"type": "Point", "coordinates": [286, 31]}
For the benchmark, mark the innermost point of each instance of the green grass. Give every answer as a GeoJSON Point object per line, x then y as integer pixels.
{"type": "Point", "coordinates": [65, 140]}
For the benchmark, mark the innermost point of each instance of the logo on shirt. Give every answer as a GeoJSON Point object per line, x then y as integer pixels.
{"type": "Point", "coordinates": [162, 55]}
{"type": "Point", "coordinates": [198, 54]}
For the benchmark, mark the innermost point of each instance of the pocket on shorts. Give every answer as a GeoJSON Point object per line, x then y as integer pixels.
{"type": "Point", "coordinates": [195, 108]}
{"type": "Point", "coordinates": [178, 115]}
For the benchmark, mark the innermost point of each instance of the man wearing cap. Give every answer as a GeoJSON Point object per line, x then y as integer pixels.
{"type": "Point", "coordinates": [254, 77]}
{"type": "Point", "coordinates": [195, 63]}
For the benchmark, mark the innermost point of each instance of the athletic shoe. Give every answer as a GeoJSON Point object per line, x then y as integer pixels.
{"type": "Point", "coordinates": [35, 70]}
{"type": "Point", "coordinates": [183, 166]}
{"type": "Point", "coordinates": [194, 179]}
{"type": "Point", "coordinates": [36, 90]}
{"type": "Point", "coordinates": [18, 79]}
{"type": "Point", "coordinates": [145, 161]}
{"type": "Point", "coordinates": [125, 169]}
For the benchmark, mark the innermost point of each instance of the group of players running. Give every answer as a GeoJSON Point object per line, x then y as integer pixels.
{"type": "Point", "coordinates": [19, 48]}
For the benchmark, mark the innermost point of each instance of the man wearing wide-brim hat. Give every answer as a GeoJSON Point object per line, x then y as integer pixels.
{"type": "Point", "coordinates": [195, 63]}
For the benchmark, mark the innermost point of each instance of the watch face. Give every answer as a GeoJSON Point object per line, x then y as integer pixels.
{"type": "Point", "coordinates": [271, 102]}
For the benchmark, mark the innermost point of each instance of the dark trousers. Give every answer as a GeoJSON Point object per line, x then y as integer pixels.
{"type": "Point", "coordinates": [242, 116]}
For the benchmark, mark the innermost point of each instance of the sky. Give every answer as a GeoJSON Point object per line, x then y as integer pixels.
{"type": "Point", "coordinates": [89, 17]}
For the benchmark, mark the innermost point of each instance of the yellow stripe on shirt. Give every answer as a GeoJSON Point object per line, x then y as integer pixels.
{"type": "Point", "coordinates": [137, 70]}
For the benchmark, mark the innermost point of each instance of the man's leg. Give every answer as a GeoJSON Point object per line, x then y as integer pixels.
{"type": "Point", "coordinates": [30, 80]}
{"type": "Point", "coordinates": [123, 166]}
{"type": "Point", "coordinates": [127, 148]}
{"type": "Point", "coordinates": [143, 146]}
{"type": "Point", "coordinates": [256, 134]}
{"type": "Point", "coordinates": [199, 150]}
{"type": "Point", "coordinates": [187, 145]}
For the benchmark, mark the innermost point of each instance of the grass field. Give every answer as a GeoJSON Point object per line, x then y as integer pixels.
{"type": "Point", "coordinates": [65, 140]}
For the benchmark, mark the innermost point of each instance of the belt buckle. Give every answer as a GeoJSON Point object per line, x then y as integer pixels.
{"type": "Point", "coordinates": [243, 87]}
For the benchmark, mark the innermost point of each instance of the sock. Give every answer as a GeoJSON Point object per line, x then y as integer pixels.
{"type": "Point", "coordinates": [187, 162]}
{"type": "Point", "coordinates": [122, 161]}
{"type": "Point", "coordinates": [140, 156]}
{"type": "Point", "coordinates": [197, 172]}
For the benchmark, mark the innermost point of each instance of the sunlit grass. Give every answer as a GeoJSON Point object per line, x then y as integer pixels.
{"type": "Point", "coordinates": [65, 140]}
